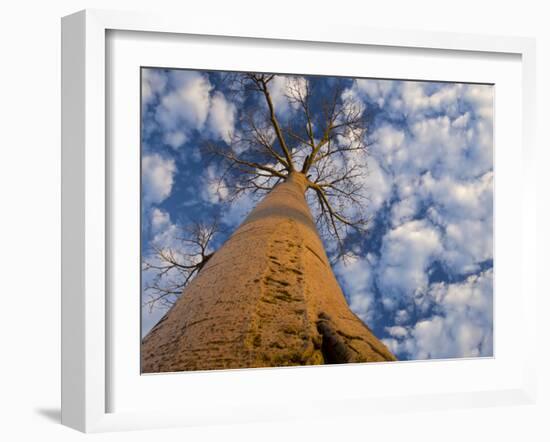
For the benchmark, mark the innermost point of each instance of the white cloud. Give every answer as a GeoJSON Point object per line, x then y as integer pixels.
{"type": "Point", "coordinates": [415, 98]}
{"type": "Point", "coordinates": [482, 98]}
{"type": "Point", "coordinates": [221, 119]}
{"type": "Point", "coordinates": [281, 87]}
{"type": "Point", "coordinates": [175, 139]}
{"type": "Point", "coordinates": [461, 121]}
{"type": "Point", "coordinates": [449, 126]}
{"type": "Point", "coordinates": [356, 276]}
{"type": "Point", "coordinates": [277, 90]}
{"type": "Point", "coordinates": [389, 146]}
{"type": "Point", "coordinates": [404, 210]}
{"type": "Point", "coordinates": [472, 198]}
{"type": "Point", "coordinates": [213, 190]}
{"type": "Point", "coordinates": [397, 331]}
{"type": "Point", "coordinates": [184, 107]}
{"type": "Point", "coordinates": [467, 244]}
{"type": "Point", "coordinates": [164, 232]}
{"type": "Point", "coordinates": [438, 156]}
{"type": "Point", "coordinates": [402, 317]}
{"type": "Point", "coordinates": [159, 220]}
{"type": "Point", "coordinates": [463, 328]}
{"type": "Point", "coordinates": [153, 83]}
{"type": "Point", "coordinates": [157, 178]}
{"type": "Point", "coordinates": [238, 210]}
{"type": "Point", "coordinates": [377, 91]}
{"type": "Point", "coordinates": [351, 103]}
{"type": "Point", "coordinates": [407, 252]}
{"type": "Point", "coordinates": [465, 213]}
{"type": "Point", "coordinates": [431, 144]}
{"type": "Point", "coordinates": [187, 102]}
{"type": "Point", "coordinates": [378, 185]}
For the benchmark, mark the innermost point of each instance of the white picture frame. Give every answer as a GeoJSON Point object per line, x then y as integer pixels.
{"type": "Point", "coordinates": [85, 196]}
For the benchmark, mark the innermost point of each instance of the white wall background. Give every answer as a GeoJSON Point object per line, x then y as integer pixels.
{"type": "Point", "coordinates": [30, 216]}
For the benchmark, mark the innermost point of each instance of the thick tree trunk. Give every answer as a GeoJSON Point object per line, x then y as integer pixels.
{"type": "Point", "coordinates": [267, 298]}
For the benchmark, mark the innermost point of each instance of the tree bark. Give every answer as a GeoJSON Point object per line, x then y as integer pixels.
{"type": "Point", "coordinates": [267, 297]}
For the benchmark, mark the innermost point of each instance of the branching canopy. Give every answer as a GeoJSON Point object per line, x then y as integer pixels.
{"type": "Point", "coordinates": [324, 138]}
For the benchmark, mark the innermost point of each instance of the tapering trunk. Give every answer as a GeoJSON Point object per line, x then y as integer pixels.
{"type": "Point", "coordinates": [267, 297]}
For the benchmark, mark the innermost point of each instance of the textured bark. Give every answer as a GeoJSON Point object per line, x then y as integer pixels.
{"type": "Point", "coordinates": [267, 298]}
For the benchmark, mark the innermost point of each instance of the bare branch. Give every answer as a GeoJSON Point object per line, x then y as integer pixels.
{"type": "Point", "coordinates": [171, 268]}
{"type": "Point", "coordinates": [262, 81]}
{"type": "Point", "coordinates": [250, 164]}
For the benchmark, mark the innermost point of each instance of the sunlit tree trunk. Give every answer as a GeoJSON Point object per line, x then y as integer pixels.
{"type": "Point", "coordinates": [267, 297]}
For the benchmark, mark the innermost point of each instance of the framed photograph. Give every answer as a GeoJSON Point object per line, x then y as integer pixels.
{"type": "Point", "coordinates": [269, 222]}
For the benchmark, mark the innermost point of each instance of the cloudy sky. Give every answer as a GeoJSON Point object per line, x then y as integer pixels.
{"type": "Point", "coordinates": [422, 275]}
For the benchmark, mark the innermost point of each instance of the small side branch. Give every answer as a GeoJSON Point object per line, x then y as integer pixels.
{"type": "Point", "coordinates": [169, 269]}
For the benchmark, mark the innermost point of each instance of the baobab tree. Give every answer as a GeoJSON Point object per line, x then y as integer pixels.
{"type": "Point", "coordinates": [268, 296]}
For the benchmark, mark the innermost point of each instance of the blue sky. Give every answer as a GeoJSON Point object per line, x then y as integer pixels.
{"type": "Point", "coordinates": [422, 275]}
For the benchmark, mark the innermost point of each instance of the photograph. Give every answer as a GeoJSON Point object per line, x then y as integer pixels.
{"type": "Point", "coordinates": [290, 219]}
{"type": "Point", "coordinates": [302, 221]}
